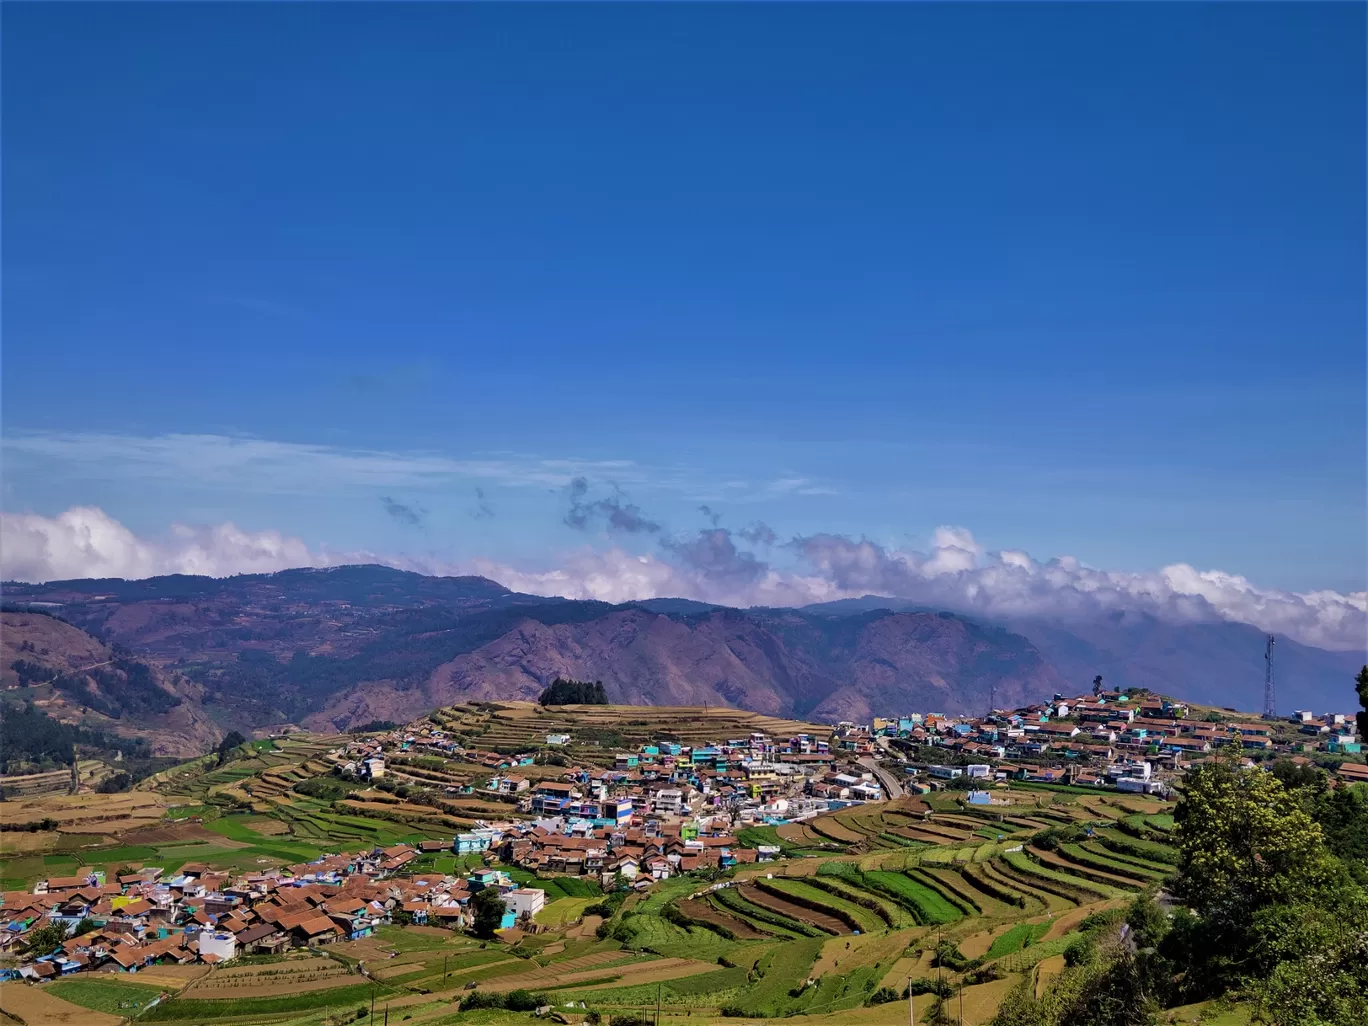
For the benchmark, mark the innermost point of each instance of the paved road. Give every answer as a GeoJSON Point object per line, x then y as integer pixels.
{"type": "Point", "coordinates": [890, 783]}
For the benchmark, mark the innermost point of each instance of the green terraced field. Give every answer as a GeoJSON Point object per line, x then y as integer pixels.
{"type": "Point", "coordinates": [1029, 867]}
{"type": "Point", "coordinates": [1017, 938]}
{"type": "Point", "coordinates": [931, 904]}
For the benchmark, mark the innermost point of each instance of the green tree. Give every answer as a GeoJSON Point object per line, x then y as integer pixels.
{"type": "Point", "coordinates": [1361, 683]}
{"type": "Point", "coordinates": [1319, 952]}
{"type": "Point", "coordinates": [574, 692]}
{"type": "Point", "coordinates": [1245, 842]}
{"type": "Point", "coordinates": [1343, 816]}
{"type": "Point", "coordinates": [45, 939]}
{"type": "Point", "coordinates": [1248, 850]}
{"type": "Point", "coordinates": [231, 740]}
{"type": "Point", "coordinates": [489, 911]}
{"type": "Point", "coordinates": [1294, 775]}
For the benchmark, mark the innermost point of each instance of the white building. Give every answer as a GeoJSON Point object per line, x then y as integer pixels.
{"type": "Point", "coordinates": [525, 899]}
{"type": "Point", "coordinates": [224, 945]}
{"type": "Point", "coordinates": [669, 802]}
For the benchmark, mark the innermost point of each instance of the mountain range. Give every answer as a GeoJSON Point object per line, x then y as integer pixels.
{"type": "Point", "coordinates": [336, 648]}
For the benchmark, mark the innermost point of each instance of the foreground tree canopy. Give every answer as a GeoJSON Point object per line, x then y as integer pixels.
{"type": "Point", "coordinates": [1274, 912]}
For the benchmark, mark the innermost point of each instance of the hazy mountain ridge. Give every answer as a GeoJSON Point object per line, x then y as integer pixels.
{"type": "Point", "coordinates": [333, 648]}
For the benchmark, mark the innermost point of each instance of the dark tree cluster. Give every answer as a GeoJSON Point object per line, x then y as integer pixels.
{"type": "Point", "coordinates": [373, 726]}
{"type": "Point", "coordinates": [28, 736]}
{"type": "Point", "coordinates": [231, 741]}
{"type": "Point", "coordinates": [30, 672]}
{"type": "Point", "coordinates": [574, 692]}
{"type": "Point", "coordinates": [124, 687]}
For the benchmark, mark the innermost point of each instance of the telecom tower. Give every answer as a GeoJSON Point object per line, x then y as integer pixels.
{"type": "Point", "coordinates": [1270, 709]}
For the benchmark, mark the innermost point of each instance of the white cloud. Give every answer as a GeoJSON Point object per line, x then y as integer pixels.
{"type": "Point", "coordinates": [86, 542]}
{"type": "Point", "coordinates": [957, 574]}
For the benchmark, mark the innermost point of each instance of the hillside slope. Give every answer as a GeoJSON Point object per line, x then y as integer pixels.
{"type": "Point", "coordinates": [778, 662]}
{"type": "Point", "coordinates": [75, 678]}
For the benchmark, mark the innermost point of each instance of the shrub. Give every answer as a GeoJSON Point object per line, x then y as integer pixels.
{"type": "Point", "coordinates": [949, 955]}
{"type": "Point", "coordinates": [1051, 839]}
{"type": "Point", "coordinates": [928, 985]}
{"type": "Point", "coordinates": [114, 784]}
{"type": "Point", "coordinates": [524, 1001]}
{"type": "Point", "coordinates": [983, 974]}
{"type": "Point", "coordinates": [1081, 950]}
{"type": "Point", "coordinates": [882, 996]}
{"type": "Point", "coordinates": [481, 999]}
{"type": "Point", "coordinates": [1099, 920]}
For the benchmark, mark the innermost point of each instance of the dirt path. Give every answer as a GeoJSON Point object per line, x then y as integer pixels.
{"type": "Point", "coordinates": [1067, 921]}
{"type": "Point", "coordinates": [978, 943]}
{"type": "Point", "coordinates": [34, 1006]}
{"type": "Point", "coordinates": [1048, 969]}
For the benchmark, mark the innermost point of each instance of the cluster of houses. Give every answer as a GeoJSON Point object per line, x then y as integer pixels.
{"type": "Point", "coordinates": [1109, 739]}
{"type": "Point", "coordinates": [751, 779]}
{"type": "Point", "coordinates": [196, 915]}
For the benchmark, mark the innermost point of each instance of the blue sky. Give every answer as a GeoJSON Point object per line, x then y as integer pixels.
{"type": "Point", "coordinates": [1084, 279]}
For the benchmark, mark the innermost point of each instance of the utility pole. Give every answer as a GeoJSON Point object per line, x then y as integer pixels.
{"type": "Point", "coordinates": [940, 966]}
{"type": "Point", "coordinates": [657, 1022]}
{"type": "Point", "coordinates": [372, 1018]}
{"type": "Point", "coordinates": [911, 1008]}
{"type": "Point", "coordinates": [961, 1001]}
{"type": "Point", "coordinates": [1270, 709]}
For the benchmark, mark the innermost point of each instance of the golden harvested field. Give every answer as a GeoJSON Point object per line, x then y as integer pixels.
{"type": "Point", "coordinates": [22, 841]}
{"type": "Point", "coordinates": [520, 722]}
{"type": "Point", "coordinates": [981, 1002]}
{"type": "Point", "coordinates": [866, 948]}
{"type": "Point", "coordinates": [977, 944]}
{"type": "Point", "coordinates": [34, 1006]}
{"type": "Point", "coordinates": [1048, 969]}
{"type": "Point", "coordinates": [88, 813]}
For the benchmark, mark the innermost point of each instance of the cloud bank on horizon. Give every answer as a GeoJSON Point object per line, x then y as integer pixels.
{"type": "Point", "coordinates": [957, 574]}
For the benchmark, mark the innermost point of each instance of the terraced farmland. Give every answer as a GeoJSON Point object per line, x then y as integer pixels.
{"type": "Point", "coordinates": [861, 898]}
